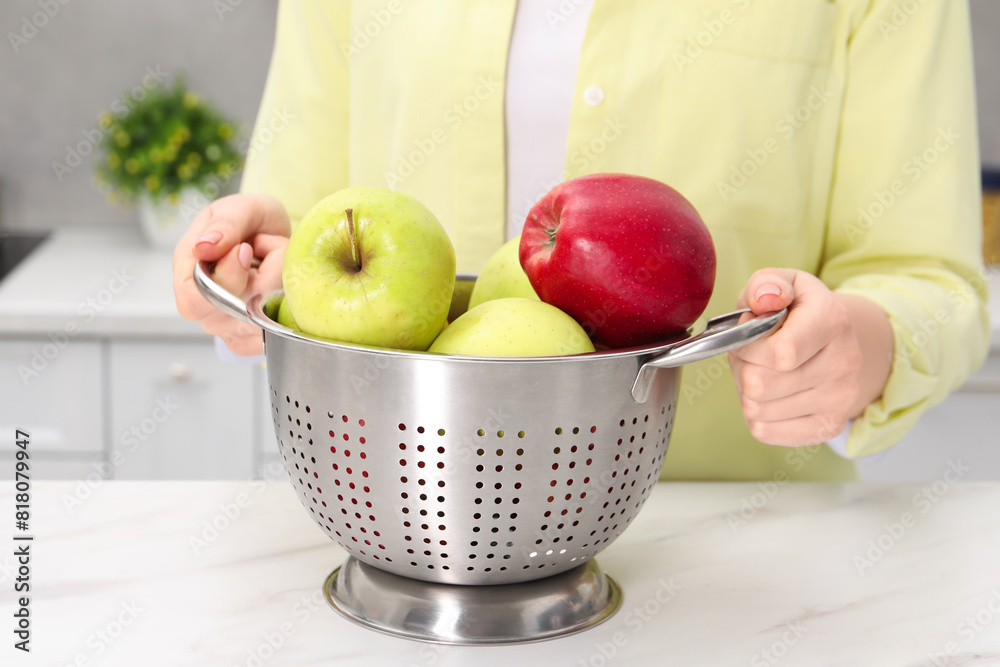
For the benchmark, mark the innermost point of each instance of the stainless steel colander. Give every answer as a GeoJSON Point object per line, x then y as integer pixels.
{"type": "Point", "coordinates": [471, 471]}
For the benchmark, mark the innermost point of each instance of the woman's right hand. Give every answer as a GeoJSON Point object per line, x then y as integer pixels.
{"type": "Point", "coordinates": [231, 232]}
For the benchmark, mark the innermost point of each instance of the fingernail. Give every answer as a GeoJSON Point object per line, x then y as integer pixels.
{"type": "Point", "coordinates": [766, 289]}
{"type": "Point", "coordinates": [210, 237]}
{"type": "Point", "coordinates": [245, 255]}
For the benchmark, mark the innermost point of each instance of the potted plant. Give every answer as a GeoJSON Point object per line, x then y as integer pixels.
{"type": "Point", "coordinates": [168, 153]}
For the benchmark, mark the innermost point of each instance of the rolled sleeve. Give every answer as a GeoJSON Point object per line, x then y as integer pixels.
{"type": "Point", "coordinates": [905, 210]}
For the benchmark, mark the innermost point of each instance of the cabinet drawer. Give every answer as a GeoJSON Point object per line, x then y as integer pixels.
{"type": "Point", "coordinates": [52, 389]}
{"type": "Point", "coordinates": [178, 412]}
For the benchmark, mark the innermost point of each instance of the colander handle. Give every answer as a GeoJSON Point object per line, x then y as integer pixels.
{"type": "Point", "coordinates": [217, 295]}
{"type": "Point", "coordinates": [721, 334]}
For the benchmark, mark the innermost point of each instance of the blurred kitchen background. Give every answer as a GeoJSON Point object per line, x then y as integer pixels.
{"type": "Point", "coordinates": [95, 362]}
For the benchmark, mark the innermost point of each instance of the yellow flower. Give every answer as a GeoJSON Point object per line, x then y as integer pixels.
{"type": "Point", "coordinates": [190, 100]}
{"type": "Point", "coordinates": [113, 160]}
{"type": "Point", "coordinates": [132, 165]}
{"type": "Point", "coordinates": [184, 133]}
{"type": "Point", "coordinates": [213, 152]}
{"type": "Point", "coordinates": [194, 159]}
{"type": "Point", "coordinates": [169, 154]}
{"type": "Point", "coordinates": [122, 138]}
{"type": "Point", "coordinates": [155, 155]}
{"type": "Point", "coordinates": [173, 198]}
{"type": "Point", "coordinates": [225, 130]}
{"type": "Point", "coordinates": [152, 183]}
{"type": "Point", "coordinates": [185, 171]}
{"type": "Point", "coordinates": [105, 119]}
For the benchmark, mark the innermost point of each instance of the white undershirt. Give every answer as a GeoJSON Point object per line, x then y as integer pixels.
{"type": "Point", "coordinates": [541, 80]}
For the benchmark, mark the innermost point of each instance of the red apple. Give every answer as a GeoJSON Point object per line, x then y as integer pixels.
{"type": "Point", "coordinates": [627, 257]}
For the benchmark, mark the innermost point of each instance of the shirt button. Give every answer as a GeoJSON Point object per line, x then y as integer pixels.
{"type": "Point", "coordinates": [593, 95]}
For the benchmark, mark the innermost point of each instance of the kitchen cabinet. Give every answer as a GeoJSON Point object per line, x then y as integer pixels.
{"type": "Point", "coordinates": [127, 409]}
{"type": "Point", "coordinates": [119, 386]}
{"type": "Point", "coordinates": [177, 412]}
{"type": "Point", "coordinates": [54, 393]}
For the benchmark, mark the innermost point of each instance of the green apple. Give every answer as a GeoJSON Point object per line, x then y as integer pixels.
{"type": "Point", "coordinates": [370, 266]}
{"type": "Point", "coordinates": [271, 305]}
{"type": "Point", "coordinates": [502, 276]}
{"type": "Point", "coordinates": [285, 315]}
{"type": "Point", "coordinates": [513, 327]}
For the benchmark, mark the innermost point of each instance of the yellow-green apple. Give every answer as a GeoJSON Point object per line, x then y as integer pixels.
{"type": "Point", "coordinates": [271, 304]}
{"type": "Point", "coordinates": [502, 276]}
{"type": "Point", "coordinates": [285, 315]}
{"type": "Point", "coordinates": [513, 327]}
{"type": "Point", "coordinates": [370, 266]}
{"type": "Point", "coordinates": [628, 257]}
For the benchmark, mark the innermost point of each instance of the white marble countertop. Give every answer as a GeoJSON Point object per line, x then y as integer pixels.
{"type": "Point", "coordinates": [713, 574]}
{"type": "Point", "coordinates": [100, 281]}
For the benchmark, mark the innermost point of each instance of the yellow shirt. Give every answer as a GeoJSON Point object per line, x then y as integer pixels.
{"type": "Point", "coordinates": [837, 137]}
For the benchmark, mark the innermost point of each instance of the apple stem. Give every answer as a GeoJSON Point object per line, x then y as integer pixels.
{"type": "Point", "coordinates": [355, 251]}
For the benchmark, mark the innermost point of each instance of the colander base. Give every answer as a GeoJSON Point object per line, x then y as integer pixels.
{"type": "Point", "coordinates": [548, 608]}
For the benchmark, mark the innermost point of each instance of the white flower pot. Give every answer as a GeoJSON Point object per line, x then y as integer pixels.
{"type": "Point", "coordinates": [163, 223]}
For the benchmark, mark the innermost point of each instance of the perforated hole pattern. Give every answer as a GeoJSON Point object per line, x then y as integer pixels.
{"type": "Point", "coordinates": [486, 506]}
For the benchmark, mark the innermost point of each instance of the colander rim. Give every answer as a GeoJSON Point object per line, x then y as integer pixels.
{"type": "Point", "coordinates": [255, 311]}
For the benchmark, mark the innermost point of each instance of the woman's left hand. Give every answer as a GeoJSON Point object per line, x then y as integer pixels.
{"type": "Point", "coordinates": [829, 360]}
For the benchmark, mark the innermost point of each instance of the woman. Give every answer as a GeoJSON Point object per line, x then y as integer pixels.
{"type": "Point", "coordinates": [835, 140]}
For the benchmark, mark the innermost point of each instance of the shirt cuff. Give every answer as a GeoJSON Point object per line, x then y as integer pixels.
{"type": "Point", "coordinates": [838, 444]}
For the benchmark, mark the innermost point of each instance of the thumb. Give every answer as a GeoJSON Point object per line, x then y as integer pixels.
{"type": "Point", "coordinates": [768, 291]}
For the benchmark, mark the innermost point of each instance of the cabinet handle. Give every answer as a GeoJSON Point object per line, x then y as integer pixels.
{"type": "Point", "coordinates": [179, 371]}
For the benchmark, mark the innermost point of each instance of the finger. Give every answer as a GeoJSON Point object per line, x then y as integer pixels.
{"type": "Point", "coordinates": [267, 277]}
{"type": "Point", "coordinates": [798, 432]}
{"type": "Point", "coordinates": [264, 244]}
{"type": "Point", "coordinates": [232, 271]}
{"type": "Point", "coordinates": [228, 273]}
{"type": "Point", "coordinates": [226, 222]}
{"type": "Point", "coordinates": [815, 318]}
{"type": "Point", "coordinates": [237, 218]}
{"type": "Point", "coordinates": [761, 383]}
{"type": "Point", "coordinates": [213, 233]}
{"type": "Point", "coordinates": [768, 290]}
{"type": "Point", "coordinates": [831, 400]}
{"type": "Point", "coordinates": [736, 367]}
